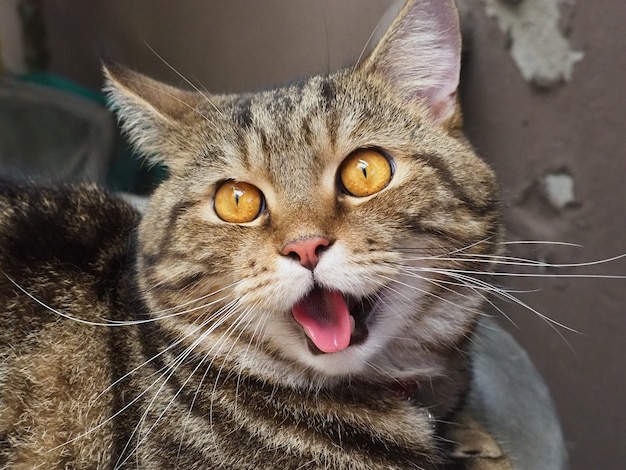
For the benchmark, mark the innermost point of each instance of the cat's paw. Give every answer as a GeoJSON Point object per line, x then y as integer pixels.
{"type": "Point", "coordinates": [474, 448]}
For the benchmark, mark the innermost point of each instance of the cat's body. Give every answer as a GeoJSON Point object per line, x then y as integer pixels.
{"type": "Point", "coordinates": [56, 371]}
{"type": "Point", "coordinates": [316, 314]}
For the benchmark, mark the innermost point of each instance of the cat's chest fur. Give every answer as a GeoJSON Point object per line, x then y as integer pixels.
{"type": "Point", "coordinates": [300, 292]}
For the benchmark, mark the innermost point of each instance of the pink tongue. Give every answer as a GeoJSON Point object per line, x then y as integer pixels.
{"type": "Point", "coordinates": [325, 318]}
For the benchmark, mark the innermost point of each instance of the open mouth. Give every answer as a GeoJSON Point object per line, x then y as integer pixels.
{"type": "Point", "coordinates": [331, 320]}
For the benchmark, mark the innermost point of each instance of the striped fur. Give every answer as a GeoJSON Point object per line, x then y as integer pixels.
{"type": "Point", "coordinates": [202, 364]}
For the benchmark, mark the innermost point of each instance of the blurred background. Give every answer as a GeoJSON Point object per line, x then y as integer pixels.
{"type": "Point", "coordinates": [543, 91]}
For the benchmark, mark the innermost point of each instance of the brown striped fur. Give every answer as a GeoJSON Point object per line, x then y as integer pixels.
{"type": "Point", "coordinates": [202, 364]}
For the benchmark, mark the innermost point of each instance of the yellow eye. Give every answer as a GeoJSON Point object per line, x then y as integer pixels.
{"type": "Point", "coordinates": [365, 172]}
{"type": "Point", "coordinates": [238, 202]}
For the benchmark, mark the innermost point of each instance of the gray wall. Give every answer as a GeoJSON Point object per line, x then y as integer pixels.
{"type": "Point", "coordinates": [573, 129]}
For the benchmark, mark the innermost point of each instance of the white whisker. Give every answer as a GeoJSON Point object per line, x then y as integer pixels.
{"type": "Point", "coordinates": [463, 276]}
{"type": "Point", "coordinates": [513, 261]}
{"type": "Point", "coordinates": [119, 323]}
{"type": "Point", "coordinates": [191, 84]}
{"type": "Point", "coordinates": [180, 360]}
{"type": "Point", "coordinates": [135, 399]}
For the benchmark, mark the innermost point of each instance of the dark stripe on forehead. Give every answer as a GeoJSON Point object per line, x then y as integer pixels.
{"type": "Point", "coordinates": [265, 144]}
{"type": "Point", "coordinates": [328, 92]}
{"type": "Point", "coordinates": [307, 132]}
{"type": "Point", "coordinates": [285, 100]}
{"type": "Point", "coordinates": [244, 120]}
{"type": "Point", "coordinates": [243, 113]}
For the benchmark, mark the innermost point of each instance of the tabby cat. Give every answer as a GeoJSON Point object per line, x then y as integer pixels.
{"type": "Point", "coordinates": [289, 299]}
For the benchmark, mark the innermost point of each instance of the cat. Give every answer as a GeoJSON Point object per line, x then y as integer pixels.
{"type": "Point", "coordinates": [290, 298]}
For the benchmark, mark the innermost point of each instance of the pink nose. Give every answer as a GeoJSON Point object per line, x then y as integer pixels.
{"type": "Point", "coordinates": [307, 250]}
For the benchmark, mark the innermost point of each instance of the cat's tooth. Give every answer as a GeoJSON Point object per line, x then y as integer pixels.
{"type": "Point", "coordinates": [352, 324]}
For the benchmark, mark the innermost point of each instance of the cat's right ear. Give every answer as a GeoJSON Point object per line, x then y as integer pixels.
{"type": "Point", "coordinates": [149, 112]}
{"type": "Point", "coordinates": [419, 57]}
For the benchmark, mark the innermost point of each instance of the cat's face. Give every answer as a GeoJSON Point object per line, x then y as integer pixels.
{"type": "Point", "coordinates": [308, 230]}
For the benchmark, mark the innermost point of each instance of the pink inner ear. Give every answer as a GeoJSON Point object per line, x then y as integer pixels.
{"type": "Point", "coordinates": [420, 55]}
{"type": "Point", "coordinates": [441, 102]}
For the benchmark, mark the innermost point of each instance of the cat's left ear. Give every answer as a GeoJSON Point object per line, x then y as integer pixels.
{"type": "Point", "coordinates": [420, 55]}
{"type": "Point", "coordinates": [150, 112]}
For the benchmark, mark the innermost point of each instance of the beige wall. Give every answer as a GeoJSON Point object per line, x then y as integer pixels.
{"type": "Point", "coordinates": [11, 49]}
{"type": "Point", "coordinates": [576, 129]}
{"type": "Point", "coordinates": [226, 45]}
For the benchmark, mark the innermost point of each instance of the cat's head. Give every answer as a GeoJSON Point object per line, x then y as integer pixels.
{"type": "Point", "coordinates": [324, 228]}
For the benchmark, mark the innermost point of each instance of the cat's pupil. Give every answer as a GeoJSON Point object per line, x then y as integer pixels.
{"type": "Point", "coordinates": [363, 166]}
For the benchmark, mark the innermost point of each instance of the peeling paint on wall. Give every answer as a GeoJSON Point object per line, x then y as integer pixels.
{"type": "Point", "coordinates": [559, 189]}
{"type": "Point", "coordinates": [538, 47]}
